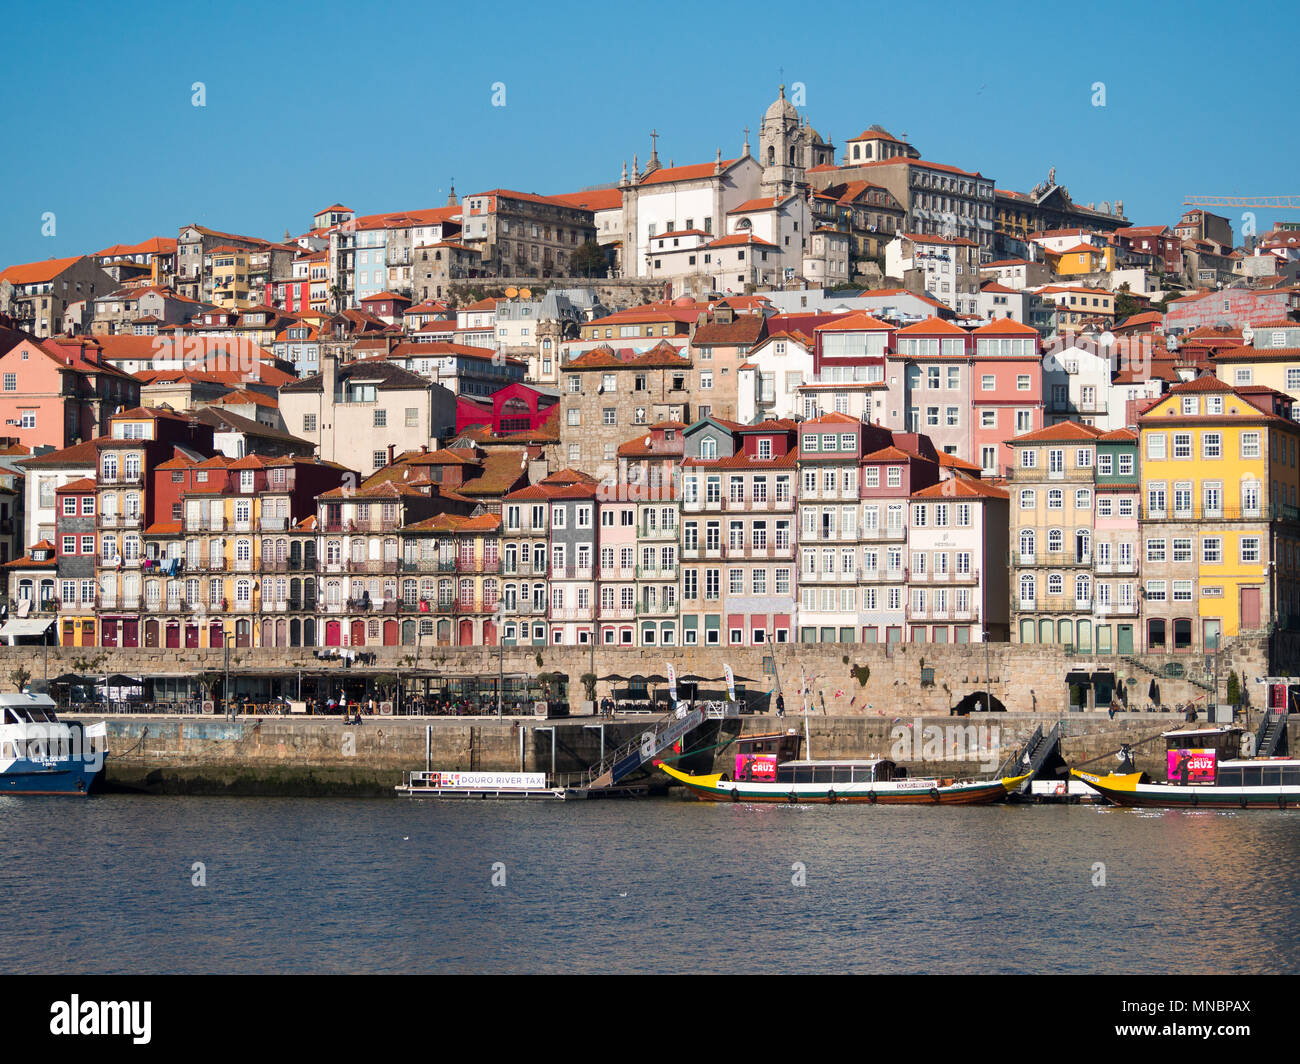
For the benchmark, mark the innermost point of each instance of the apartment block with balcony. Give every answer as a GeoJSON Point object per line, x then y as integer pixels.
{"type": "Point", "coordinates": [359, 556]}
{"type": "Point", "coordinates": [1117, 543]}
{"type": "Point", "coordinates": [618, 562]}
{"type": "Point", "coordinates": [604, 398]}
{"type": "Point", "coordinates": [890, 473]}
{"type": "Point", "coordinates": [738, 533]}
{"type": "Point", "coordinates": [1053, 518]}
{"type": "Point", "coordinates": [1220, 524]}
{"type": "Point", "coordinates": [657, 517]}
{"type": "Point", "coordinates": [958, 589]}
{"type": "Point", "coordinates": [450, 584]}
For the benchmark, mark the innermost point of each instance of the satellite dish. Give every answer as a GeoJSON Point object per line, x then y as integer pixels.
{"type": "Point", "coordinates": [511, 293]}
{"type": "Point", "coordinates": [525, 293]}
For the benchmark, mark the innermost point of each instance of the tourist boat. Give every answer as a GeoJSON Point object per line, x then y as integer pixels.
{"type": "Point", "coordinates": [1204, 770]}
{"type": "Point", "coordinates": [768, 769]}
{"type": "Point", "coordinates": [39, 754]}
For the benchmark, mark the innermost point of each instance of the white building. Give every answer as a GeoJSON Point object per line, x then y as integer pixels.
{"type": "Point", "coordinates": [768, 382]}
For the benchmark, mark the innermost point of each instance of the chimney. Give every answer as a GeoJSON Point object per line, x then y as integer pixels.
{"type": "Point", "coordinates": [390, 454]}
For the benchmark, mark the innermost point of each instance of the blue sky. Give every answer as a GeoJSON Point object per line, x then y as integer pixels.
{"type": "Point", "coordinates": [379, 107]}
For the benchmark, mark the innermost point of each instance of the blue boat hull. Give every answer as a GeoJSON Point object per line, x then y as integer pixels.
{"type": "Point", "coordinates": [74, 777]}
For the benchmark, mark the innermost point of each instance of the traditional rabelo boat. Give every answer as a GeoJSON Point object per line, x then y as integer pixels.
{"type": "Point", "coordinates": [767, 768]}
{"type": "Point", "coordinates": [1204, 770]}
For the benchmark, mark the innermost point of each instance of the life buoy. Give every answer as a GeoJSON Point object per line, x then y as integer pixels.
{"type": "Point", "coordinates": [791, 798]}
{"type": "Point", "coordinates": [735, 794]}
{"type": "Point", "coordinates": [830, 795]}
{"type": "Point", "coordinates": [934, 793]}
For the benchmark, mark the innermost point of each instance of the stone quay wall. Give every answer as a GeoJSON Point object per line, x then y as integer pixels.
{"type": "Point", "coordinates": [905, 678]}
{"type": "Point", "coordinates": [323, 756]}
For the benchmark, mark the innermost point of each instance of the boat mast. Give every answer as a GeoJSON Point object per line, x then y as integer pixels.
{"type": "Point", "coordinates": [807, 736]}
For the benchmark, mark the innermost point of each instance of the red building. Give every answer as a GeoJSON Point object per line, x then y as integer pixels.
{"type": "Point", "coordinates": [514, 408]}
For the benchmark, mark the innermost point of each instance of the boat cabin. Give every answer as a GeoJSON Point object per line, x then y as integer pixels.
{"type": "Point", "coordinates": [880, 770]}
{"type": "Point", "coordinates": [1284, 772]}
{"type": "Point", "coordinates": [758, 756]}
{"type": "Point", "coordinates": [1193, 757]}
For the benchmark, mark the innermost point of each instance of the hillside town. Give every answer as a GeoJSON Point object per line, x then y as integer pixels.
{"type": "Point", "coordinates": [809, 392]}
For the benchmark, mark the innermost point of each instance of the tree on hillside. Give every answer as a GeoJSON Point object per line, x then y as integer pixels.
{"type": "Point", "coordinates": [589, 261]}
{"type": "Point", "coordinates": [1126, 305]}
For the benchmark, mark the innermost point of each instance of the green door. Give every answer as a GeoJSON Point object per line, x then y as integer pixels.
{"type": "Point", "coordinates": [1124, 638]}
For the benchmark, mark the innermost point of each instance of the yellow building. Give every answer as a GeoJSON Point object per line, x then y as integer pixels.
{"type": "Point", "coordinates": [1271, 360]}
{"type": "Point", "coordinates": [228, 271]}
{"type": "Point", "coordinates": [1082, 259]}
{"type": "Point", "coordinates": [1220, 525]}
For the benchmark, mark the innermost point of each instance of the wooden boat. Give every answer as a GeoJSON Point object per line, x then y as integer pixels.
{"type": "Point", "coordinates": [763, 774]}
{"type": "Point", "coordinates": [1204, 772]}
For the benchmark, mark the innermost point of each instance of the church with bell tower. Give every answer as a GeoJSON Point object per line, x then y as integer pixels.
{"type": "Point", "coordinates": [788, 147]}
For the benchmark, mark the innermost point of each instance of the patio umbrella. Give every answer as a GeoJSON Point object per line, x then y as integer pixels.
{"type": "Point", "coordinates": [72, 679]}
{"type": "Point", "coordinates": [613, 677]}
{"type": "Point", "coordinates": [119, 680]}
{"type": "Point", "coordinates": [1153, 692]}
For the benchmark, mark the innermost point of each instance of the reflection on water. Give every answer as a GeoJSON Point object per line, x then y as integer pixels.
{"type": "Point", "coordinates": [106, 885]}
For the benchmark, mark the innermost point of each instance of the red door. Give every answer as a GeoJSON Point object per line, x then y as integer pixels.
{"type": "Point", "coordinates": [333, 634]}
{"type": "Point", "coordinates": [108, 633]}
{"type": "Point", "coordinates": [489, 633]}
{"type": "Point", "coordinates": [390, 633]}
{"type": "Point", "coordinates": [191, 635]}
{"type": "Point", "coordinates": [216, 636]}
{"type": "Point", "coordinates": [1249, 608]}
{"type": "Point", "coordinates": [173, 634]}
{"type": "Point", "coordinates": [358, 633]}
{"type": "Point", "coordinates": [466, 633]}
{"type": "Point", "coordinates": [130, 633]}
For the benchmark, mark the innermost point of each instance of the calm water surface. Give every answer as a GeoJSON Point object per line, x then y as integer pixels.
{"type": "Point", "coordinates": [105, 885]}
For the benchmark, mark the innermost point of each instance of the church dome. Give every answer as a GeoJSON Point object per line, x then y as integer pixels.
{"type": "Point", "coordinates": [781, 109]}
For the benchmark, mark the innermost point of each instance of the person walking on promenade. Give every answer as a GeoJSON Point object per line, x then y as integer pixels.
{"type": "Point", "coordinates": [780, 705]}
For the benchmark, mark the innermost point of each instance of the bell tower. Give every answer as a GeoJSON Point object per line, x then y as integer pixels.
{"type": "Point", "coordinates": [781, 148]}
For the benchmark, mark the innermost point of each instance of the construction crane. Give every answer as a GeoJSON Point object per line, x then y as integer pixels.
{"type": "Point", "coordinates": [1274, 203]}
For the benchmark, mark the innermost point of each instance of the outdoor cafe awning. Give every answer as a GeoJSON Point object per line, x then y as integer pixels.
{"type": "Point", "coordinates": [20, 627]}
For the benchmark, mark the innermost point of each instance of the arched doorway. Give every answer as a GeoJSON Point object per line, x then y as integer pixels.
{"type": "Point", "coordinates": [295, 633]}
{"type": "Point", "coordinates": [358, 633]}
{"type": "Point", "coordinates": [979, 702]}
{"type": "Point", "coordinates": [466, 637]}
{"type": "Point", "coordinates": [309, 632]}
{"type": "Point", "coordinates": [173, 634]}
{"type": "Point", "coordinates": [489, 633]}
{"type": "Point", "coordinates": [390, 633]}
{"type": "Point", "coordinates": [333, 634]}
{"type": "Point", "coordinates": [150, 633]}
{"type": "Point", "coordinates": [408, 633]}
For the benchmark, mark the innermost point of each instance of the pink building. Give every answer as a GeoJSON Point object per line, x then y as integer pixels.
{"type": "Point", "coordinates": [1237, 307]}
{"type": "Point", "coordinates": [58, 392]}
{"type": "Point", "coordinates": [1006, 394]}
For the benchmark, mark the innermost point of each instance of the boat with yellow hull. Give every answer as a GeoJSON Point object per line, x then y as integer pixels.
{"type": "Point", "coordinates": [1204, 770]}
{"type": "Point", "coordinates": [823, 782]}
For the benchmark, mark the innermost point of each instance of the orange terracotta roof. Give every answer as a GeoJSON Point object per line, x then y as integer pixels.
{"type": "Point", "coordinates": [37, 272]}
{"type": "Point", "coordinates": [961, 488]}
{"type": "Point", "coordinates": [1063, 431]}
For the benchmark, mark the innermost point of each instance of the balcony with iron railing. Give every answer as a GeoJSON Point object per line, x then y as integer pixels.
{"type": "Point", "coordinates": [273, 524]}
{"type": "Point", "coordinates": [571, 572]}
{"type": "Point", "coordinates": [1263, 512]}
{"type": "Point", "coordinates": [205, 524]}
{"type": "Point", "coordinates": [1060, 559]}
{"type": "Point", "coordinates": [657, 609]}
{"type": "Point", "coordinates": [949, 614]}
{"type": "Point", "coordinates": [373, 565]}
{"type": "Point", "coordinates": [881, 576]}
{"type": "Point", "coordinates": [1053, 604]}
{"type": "Point", "coordinates": [970, 577]}
{"type": "Point", "coordinates": [657, 572]}
{"type": "Point", "coordinates": [1122, 568]}
{"type": "Point", "coordinates": [644, 532]}
{"type": "Point", "coordinates": [1020, 475]}
{"type": "Point", "coordinates": [874, 535]}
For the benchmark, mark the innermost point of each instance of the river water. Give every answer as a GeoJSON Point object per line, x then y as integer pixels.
{"type": "Point", "coordinates": [110, 884]}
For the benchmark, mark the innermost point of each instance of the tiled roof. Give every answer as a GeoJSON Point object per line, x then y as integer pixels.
{"type": "Point", "coordinates": [1062, 432]}
{"type": "Point", "coordinates": [961, 488]}
{"type": "Point", "coordinates": [37, 272]}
